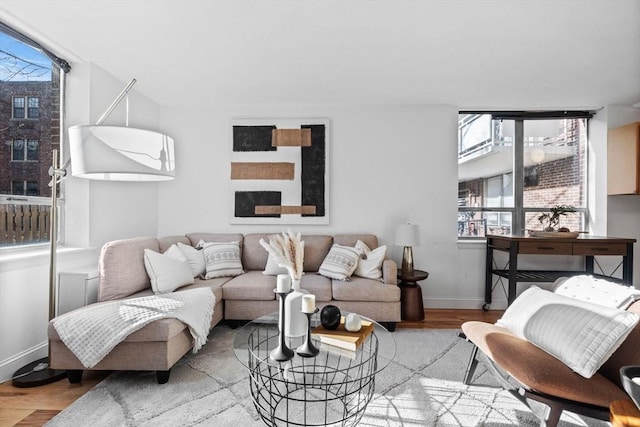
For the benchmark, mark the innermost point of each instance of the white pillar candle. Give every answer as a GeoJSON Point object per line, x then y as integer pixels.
{"type": "Point", "coordinates": [283, 284]}
{"type": "Point", "coordinates": [308, 303]}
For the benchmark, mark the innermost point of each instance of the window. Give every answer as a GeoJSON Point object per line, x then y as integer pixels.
{"type": "Point", "coordinates": [22, 150]}
{"type": "Point", "coordinates": [24, 188]}
{"type": "Point", "coordinates": [30, 88]}
{"type": "Point", "coordinates": [32, 107]}
{"type": "Point", "coordinates": [18, 107]}
{"type": "Point", "coordinates": [514, 166]}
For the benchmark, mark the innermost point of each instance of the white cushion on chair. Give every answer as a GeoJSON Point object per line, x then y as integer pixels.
{"type": "Point", "coordinates": [580, 334]}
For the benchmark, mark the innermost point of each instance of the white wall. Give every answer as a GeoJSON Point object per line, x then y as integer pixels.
{"type": "Point", "coordinates": [107, 210]}
{"type": "Point", "coordinates": [387, 165]}
{"type": "Point", "coordinates": [24, 304]}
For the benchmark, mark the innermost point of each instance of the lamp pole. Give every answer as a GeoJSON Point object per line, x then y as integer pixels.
{"type": "Point", "coordinates": [39, 372]}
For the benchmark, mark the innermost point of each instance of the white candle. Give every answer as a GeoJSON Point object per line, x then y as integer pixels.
{"type": "Point", "coordinates": [308, 303]}
{"type": "Point", "coordinates": [283, 284]}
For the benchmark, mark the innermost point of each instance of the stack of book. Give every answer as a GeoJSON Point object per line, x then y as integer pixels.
{"type": "Point", "coordinates": [342, 338]}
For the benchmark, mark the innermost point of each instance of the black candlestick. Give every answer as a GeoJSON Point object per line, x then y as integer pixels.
{"type": "Point", "coordinates": [307, 349]}
{"type": "Point", "coordinates": [281, 353]}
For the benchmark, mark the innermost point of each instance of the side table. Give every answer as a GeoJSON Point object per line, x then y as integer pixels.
{"type": "Point", "coordinates": [411, 304]}
{"type": "Point", "coordinates": [624, 413]}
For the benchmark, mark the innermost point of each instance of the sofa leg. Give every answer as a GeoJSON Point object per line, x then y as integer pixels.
{"type": "Point", "coordinates": [471, 367]}
{"type": "Point", "coordinates": [391, 326]}
{"type": "Point", "coordinates": [163, 376]}
{"type": "Point", "coordinates": [234, 324]}
{"type": "Point", "coordinates": [74, 375]}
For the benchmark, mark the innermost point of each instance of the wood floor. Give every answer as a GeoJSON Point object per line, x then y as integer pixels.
{"type": "Point", "coordinates": [35, 406]}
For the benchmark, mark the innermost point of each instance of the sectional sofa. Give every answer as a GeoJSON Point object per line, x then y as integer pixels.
{"type": "Point", "coordinates": [160, 344]}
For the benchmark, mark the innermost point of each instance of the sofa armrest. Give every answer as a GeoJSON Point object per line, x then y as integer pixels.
{"type": "Point", "coordinates": [390, 272]}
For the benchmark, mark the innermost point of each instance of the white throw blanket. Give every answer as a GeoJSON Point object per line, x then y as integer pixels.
{"type": "Point", "coordinates": [93, 331]}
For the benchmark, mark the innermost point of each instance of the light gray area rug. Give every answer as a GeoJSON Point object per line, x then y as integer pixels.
{"type": "Point", "coordinates": [421, 387]}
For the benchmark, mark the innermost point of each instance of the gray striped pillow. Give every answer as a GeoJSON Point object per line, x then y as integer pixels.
{"type": "Point", "coordinates": [340, 262]}
{"type": "Point", "coordinates": [222, 259]}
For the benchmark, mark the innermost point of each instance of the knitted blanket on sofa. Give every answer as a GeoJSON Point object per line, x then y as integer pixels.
{"type": "Point", "coordinates": [93, 331]}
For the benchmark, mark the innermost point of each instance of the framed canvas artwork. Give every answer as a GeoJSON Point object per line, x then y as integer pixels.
{"type": "Point", "coordinates": [279, 171]}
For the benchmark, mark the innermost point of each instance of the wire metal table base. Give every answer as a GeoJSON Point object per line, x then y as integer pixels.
{"type": "Point", "coordinates": [331, 389]}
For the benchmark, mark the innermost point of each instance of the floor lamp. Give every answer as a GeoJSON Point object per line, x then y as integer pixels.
{"type": "Point", "coordinates": [99, 152]}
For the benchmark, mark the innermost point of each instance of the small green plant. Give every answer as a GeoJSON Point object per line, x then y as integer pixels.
{"type": "Point", "coordinates": [550, 220]}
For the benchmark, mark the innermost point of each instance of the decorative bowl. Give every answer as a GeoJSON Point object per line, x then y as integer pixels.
{"type": "Point", "coordinates": [630, 376]}
{"type": "Point", "coordinates": [330, 317]}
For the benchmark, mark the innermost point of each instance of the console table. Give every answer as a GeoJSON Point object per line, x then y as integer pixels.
{"type": "Point", "coordinates": [583, 245]}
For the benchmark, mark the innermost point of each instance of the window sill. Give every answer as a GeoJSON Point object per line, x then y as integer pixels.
{"type": "Point", "coordinates": [39, 254]}
{"type": "Point", "coordinates": [471, 243]}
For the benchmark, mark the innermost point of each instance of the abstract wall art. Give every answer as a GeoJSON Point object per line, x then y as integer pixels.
{"type": "Point", "coordinates": [279, 171]}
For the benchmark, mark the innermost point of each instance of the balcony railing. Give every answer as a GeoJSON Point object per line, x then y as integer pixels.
{"type": "Point", "coordinates": [24, 220]}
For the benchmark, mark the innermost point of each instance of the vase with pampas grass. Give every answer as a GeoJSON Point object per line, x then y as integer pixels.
{"type": "Point", "coordinates": [287, 249]}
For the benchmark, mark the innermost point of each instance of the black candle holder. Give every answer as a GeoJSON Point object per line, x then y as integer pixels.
{"type": "Point", "coordinates": [307, 349]}
{"type": "Point", "coordinates": [281, 353]}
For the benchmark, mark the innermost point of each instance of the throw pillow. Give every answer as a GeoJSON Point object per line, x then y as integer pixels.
{"type": "Point", "coordinates": [580, 334]}
{"type": "Point", "coordinates": [165, 272]}
{"type": "Point", "coordinates": [370, 263]}
{"type": "Point", "coordinates": [175, 253]}
{"type": "Point", "coordinates": [195, 258]}
{"type": "Point", "coordinates": [340, 262]}
{"type": "Point", "coordinates": [272, 268]}
{"type": "Point", "coordinates": [598, 291]}
{"type": "Point", "coordinates": [222, 259]}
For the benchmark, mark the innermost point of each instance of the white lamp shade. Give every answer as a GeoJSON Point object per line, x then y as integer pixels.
{"type": "Point", "coordinates": [117, 153]}
{"type": "Point", "coordinates": [408, 235]}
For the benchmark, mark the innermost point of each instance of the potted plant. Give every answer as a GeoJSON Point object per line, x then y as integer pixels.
{"type": "Point", "coordinates": [550, 220]}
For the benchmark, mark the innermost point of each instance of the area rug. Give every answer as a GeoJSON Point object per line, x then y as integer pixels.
{"type": "Point", "coordinates": [421, 387]}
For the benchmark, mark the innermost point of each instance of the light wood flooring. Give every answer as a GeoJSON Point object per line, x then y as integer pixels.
{"type": "Point", "coordinates": [35, 406]}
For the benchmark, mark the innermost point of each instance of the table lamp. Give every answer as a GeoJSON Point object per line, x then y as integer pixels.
{"type": "Point", "coordinates": [408, 235]}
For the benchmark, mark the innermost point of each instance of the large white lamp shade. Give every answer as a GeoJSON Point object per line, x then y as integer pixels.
{"type": "Point", "coordinates": [118, 153]}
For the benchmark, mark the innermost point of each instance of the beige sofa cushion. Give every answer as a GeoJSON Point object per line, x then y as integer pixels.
{"type": "Point", "coordinates": [318, 285]}
{"type": "Point", "coordinates": [370, 240]}
{"type": "Point", "coordinates": [215, 285]}
{"type": "Point", "coordinates": [361, 289]}
{"type": "Point", "coordinates": [166, 242]}
{"type": "Point", "coordinates": [194, 238]}
{"type": "Point", "coordinates": [316, 248]}
{"type": "Point", "coordinates": [122, 271]}
{"type": "Point", "coordinates": [252, 285]}
{"type": "Point", "coordinates": [254, 256]}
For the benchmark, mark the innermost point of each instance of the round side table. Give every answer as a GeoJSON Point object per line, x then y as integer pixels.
{"type": "Point", "coordinates": [411, 305]}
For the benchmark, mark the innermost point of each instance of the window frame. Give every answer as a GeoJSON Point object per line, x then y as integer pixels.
{"type": "Point", "coordinates": [31, 110]}
{"type": "Point", "coordinates": [23, 107]}
{"type": "Point", "coordinates": [518, 211]}
{"type": "Point", "coordinates": [27, 109]}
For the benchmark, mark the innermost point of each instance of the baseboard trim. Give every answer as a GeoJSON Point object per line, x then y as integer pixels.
{"type": "Point", "coordinates": [12, 364]}
{"type": "Point", "coordinates": [463, 304]}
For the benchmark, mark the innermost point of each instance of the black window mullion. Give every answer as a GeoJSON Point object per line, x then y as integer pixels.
{"type": "Point", "coordinates": [518, 178]}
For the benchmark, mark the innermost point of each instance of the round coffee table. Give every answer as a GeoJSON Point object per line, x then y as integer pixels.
{"type": "Point", "coordinates": [330, 389]}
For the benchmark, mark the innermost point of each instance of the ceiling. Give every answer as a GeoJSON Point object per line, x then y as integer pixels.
{"type": "Point", "coordinates": [504, 54]}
